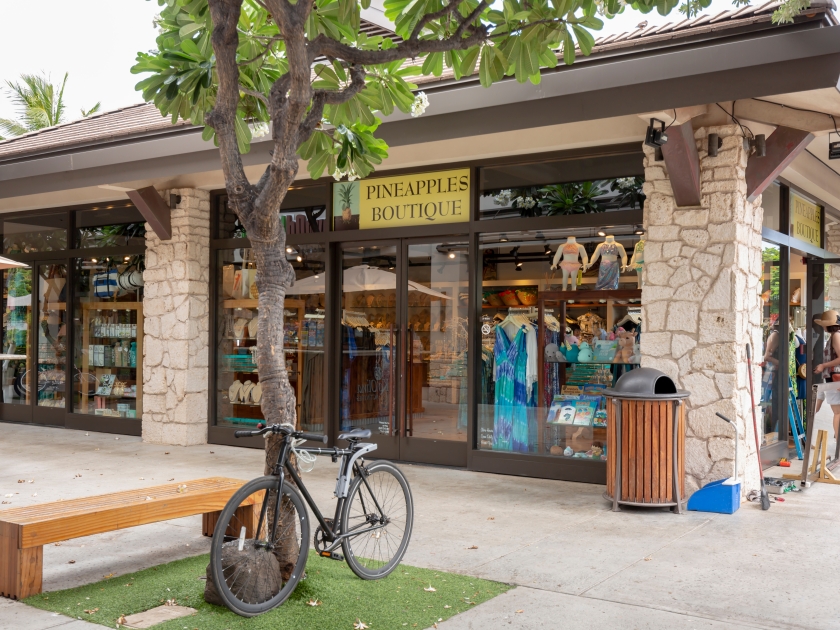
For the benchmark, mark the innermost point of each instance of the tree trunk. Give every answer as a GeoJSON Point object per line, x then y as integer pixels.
{"type": "Point", "coordinates": [274, 276]}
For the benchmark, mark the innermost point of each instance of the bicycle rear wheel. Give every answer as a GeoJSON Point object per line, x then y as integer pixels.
{"type": "Point", "coordinates": [255, 566]}
{"type": "Point", "coordinates": [379, 506]}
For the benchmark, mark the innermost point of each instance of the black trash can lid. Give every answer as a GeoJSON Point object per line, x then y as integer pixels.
{"type": "Point", "coordinates": [648, 384]}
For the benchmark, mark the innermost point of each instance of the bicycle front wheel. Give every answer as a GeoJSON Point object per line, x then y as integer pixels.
{"type": "Point", "coordinates": [259, 548]}
{"type": "Point", "coordinates": [379, 508]}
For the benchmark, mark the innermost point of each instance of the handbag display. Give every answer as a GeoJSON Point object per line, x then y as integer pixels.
{"type": "Point", "coordinates": [106, 285]}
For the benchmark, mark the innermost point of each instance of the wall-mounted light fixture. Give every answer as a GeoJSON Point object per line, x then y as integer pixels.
{"type": "Point", "coordinates": [656, 137]}
{"type": "Point", "coordinates": [834, 147]}
{"type": "Point", "coordinates": [715, 144]}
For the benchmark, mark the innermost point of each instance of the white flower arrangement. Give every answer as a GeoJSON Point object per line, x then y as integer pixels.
{"type": "Point", "coordinates": [421, 102]}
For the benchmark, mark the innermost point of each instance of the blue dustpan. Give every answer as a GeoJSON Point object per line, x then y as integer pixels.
{"type": "Point", "coordinates": [722, 496]}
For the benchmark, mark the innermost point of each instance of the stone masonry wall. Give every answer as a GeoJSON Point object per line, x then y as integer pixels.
{"type": "Point", "coordinates": [176, 325]}
{"type": "Point", "coordinates": [701, 285]}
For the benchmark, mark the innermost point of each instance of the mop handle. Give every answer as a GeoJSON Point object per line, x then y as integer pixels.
{"type": "Point", "coordinates": [737, 433]}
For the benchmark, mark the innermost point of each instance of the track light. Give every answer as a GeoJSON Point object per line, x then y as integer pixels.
{"type": "Point", "coordinates": [715, 143]}
{"type": "Point", "coordinates": [548, 251]}
{"type": "Point", "coordinates": [93, 260]}
{"type": "Point", "coordinates": [289, 250]}
{"type": "Point", "coordinates": [638, 231]}
{"type": "Point", "coordinates": [833, 147]}
{"type": "Point", "coordinates": [656, 137]}
{"type": "Point", "coordinates": [299, 258]}
{"type": "Point", "coordinates": [601, 232]}
{"type": "Point", "coordinates": [452, 254]}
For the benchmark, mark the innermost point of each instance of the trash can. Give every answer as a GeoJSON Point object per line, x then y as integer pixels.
{"type": "Point", "coordinates": [646, 441]}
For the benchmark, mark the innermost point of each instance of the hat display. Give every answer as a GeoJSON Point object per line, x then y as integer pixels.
{"type": "Point", "coordinates": [829, 318]}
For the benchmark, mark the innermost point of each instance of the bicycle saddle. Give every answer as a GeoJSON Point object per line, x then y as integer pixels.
{"type": "Point", "coordinates": [355, 434]}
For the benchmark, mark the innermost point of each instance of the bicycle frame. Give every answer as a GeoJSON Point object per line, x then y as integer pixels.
{"type": "Point", "coordinates": [350, 459]}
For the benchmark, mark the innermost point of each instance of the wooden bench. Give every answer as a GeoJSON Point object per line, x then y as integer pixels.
{"type": "Point", "coordinates": [24, 531]}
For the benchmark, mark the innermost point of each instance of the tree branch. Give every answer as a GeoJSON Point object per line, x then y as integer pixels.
{"type": "Point", "coordinates": [423, 21]}
{"type": "Point", "coordinates": [254, 93]}
{"type": "Point", "coordinates": [472, 17]}
{"type": "Point", "coordinates": [225, 40]}
{"type": "Point", "coordinates": [330, 97]}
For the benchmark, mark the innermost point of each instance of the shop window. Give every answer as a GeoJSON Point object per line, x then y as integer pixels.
{"type": "Point", "coordinates": [52, 336]}
{"type": "Point", "coordinates": [304, 210]}
{"type": "Point", "coordinates": [17, 318]}
{"type": "Point", "coordinates": [771, 202]}
{"type": "Point", "coordinates": [111, 225]}
{"type": "Point", "coordinates": [238, 391]}
{"type": "Point", "coordinates": [30, 234]}
{"type": "Point", "coordinates": [542, 377]}
{"type": "Point", "coordinates": [108, 336]}
{"type": "Point", "coordinates": [562, 187]}
{"type": "Point", "coordinates": [774, 375]}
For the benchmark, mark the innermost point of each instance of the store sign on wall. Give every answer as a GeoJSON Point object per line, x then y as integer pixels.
{"type": "Point", "coordinates": [402, 200]}
{"type": "Point", "coordinates": [806, 220]}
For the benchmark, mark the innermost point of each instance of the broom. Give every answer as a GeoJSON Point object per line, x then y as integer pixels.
{"type": "Point", "coordinates": [765, 500]}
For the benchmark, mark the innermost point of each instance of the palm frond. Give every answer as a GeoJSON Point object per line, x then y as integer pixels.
{"type": "Point", "coordinates": [11, 128]}
{"type": "Point", "coordinates": [91, 111]}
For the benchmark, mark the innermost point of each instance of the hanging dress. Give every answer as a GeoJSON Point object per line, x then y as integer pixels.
{"type": "Point", "coordinates": [518, 356]}
{"type": "Point", "coordinates": [608, 271]}
{"type": "Point", "coordinates": [503, 399]}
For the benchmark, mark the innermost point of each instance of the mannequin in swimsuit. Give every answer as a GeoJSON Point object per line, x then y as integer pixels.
{"type": "Point", "coordinates": [608, 273]}
{"type": "Point", "coordinates": [637, 260]}
{"type": "Point", "coordinates": [571, 253]}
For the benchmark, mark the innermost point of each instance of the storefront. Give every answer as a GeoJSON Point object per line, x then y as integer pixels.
{"type": "Point", "coordinates": [431, 331]}
{"type": "Point", "coordinates": [800, 281]}
{"type": "Point", "coordinates": [73, 318]}
{"type": "Point", "coordinates": [519, 250]}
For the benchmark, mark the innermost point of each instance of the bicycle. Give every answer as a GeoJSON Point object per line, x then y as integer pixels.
{"type": "Point", "coordinates": [260, 544]}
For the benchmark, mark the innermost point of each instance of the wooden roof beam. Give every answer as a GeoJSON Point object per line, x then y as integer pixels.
{"type": "Point", "coordinates": [783, 145]}
{"type": "Point", "coordinates": [683, 163]}
{"type": "Point", "coordinates": [154, 209]}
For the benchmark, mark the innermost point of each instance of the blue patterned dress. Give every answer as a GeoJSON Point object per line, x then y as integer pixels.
{"type": "Point", "coordinates": [503, 399]}
{"type": "Point", "coordinates": [518, 356]}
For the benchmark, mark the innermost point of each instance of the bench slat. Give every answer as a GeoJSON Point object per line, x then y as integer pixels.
{"type": "Point", "coordinates": [62, 520]}
{"type": "Point", "coordinates": [59, 509]}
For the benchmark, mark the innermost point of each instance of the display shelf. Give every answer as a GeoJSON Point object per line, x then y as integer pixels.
{"type": "Point", "coordinates": [89, 310]}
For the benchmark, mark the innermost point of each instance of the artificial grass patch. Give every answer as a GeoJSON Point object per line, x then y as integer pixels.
{"type": "Point", "coordinates": [391, 603]}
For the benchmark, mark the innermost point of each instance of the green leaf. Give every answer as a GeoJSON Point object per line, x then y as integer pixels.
{"type": "Point", "coordinates": [585, 39]}
{"type": "Point", "coordinates": [189, 29]}
{"type": "Point", "coordinates": [468, 62]}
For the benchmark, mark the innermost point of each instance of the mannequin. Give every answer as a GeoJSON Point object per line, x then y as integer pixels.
{"type": "Point", "coordinates": [637, 261]}
{"type": "Point", "coordinates": [608, 273]}
{"type": "Point", "coordinates": [571, 253]}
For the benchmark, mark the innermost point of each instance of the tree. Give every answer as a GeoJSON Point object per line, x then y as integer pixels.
{"type": "Point", "coordinates": [302, 71]}
{"type": "Point", "coordinates": [40, 104]}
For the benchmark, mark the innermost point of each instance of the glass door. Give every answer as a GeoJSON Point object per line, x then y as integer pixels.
{"type": "Point", "coordinates": [369, 344]}
{"type": "Point", "coordinates": [435, 295]}
{"type": "Point", "coordinates": [16, 354]}
{"type": "Point", "coordinates": [404, 348]}
{"type": "Point", "coordinates": [51, 345]}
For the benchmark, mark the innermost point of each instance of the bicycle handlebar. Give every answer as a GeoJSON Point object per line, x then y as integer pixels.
{"type": "Point", "coordinates": [277, 428]}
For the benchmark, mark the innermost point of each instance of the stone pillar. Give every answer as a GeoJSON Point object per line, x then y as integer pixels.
{"type": "Point", "coordinates": [702, 280]}
{"type": "Point", "coordinates": [176, 325]}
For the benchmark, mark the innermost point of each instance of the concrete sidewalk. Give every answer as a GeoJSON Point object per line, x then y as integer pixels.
{"type": "Point", "coordinates": [573, 560]}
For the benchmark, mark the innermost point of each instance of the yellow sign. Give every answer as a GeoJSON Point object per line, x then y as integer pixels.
{"type": "Point", "coordinates": [806, 220]}
{"type": "Point", "coordinates": [402, 200]}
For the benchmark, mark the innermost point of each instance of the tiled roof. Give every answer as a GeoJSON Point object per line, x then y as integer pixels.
{"type": "Point", "coordinates": [144, 119]}
{"type": "Point", "coordinates": [119, 124]}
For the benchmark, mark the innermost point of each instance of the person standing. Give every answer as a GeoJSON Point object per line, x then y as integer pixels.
{"type": "Point", "coordinates": [830, 367]}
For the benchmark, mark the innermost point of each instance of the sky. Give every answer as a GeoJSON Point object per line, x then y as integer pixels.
{"type": "Point", "coordinates": [96, 41]}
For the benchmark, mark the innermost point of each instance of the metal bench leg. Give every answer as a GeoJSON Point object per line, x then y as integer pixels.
{"type": "Point", "coordinates": [21, 570]}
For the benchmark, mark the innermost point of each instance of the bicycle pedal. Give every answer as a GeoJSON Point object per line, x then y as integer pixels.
{"type": "Point", "coordinates": [332, 555]}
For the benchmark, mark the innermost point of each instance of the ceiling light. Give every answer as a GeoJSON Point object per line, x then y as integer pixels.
{"type": "Point", "coordinates": [656, 137]}
{"type": "Point", "coordinates": [93, 260]}
{"type": "Point", "coordinates": [834, 147]}
{"type": "Point", "coordinates": [715, 143]}
{"type": "Point", "coordinates": [547, 250]}
{"type": "Point", "coordinates": [300, 258]}
{"type": "Point", "coordinates": [289, 250]}
{"type": "Point", "coordinates": [316, 276]}
{"type": "Point", "coordinates": [503, 240]}
{"type": "Point", "coordinates": [639, 231]}
{"type": "Point", "coordinates": [601, 232]}
{"type": "Point", "coordinates": [452, 254]}
{"type": "Point", "coordinates": [127, 258]}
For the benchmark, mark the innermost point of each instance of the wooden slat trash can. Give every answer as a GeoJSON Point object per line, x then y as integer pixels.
{"type": "Point", "coordinates": [646, 441]}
